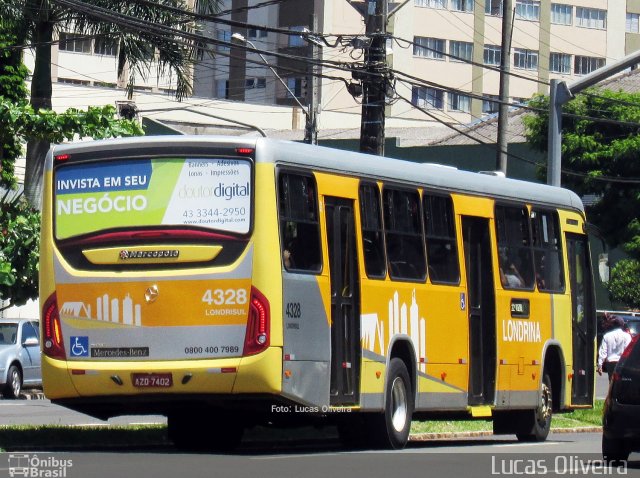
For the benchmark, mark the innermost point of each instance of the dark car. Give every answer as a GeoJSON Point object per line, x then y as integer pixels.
{"type": "Point", "coordinates": [19, 356]}
{"type": "Point", "coordinates": [621, 416]}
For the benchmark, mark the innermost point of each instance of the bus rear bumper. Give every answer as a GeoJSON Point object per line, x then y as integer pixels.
{"type": "Point", "coordinates": [256, 374]}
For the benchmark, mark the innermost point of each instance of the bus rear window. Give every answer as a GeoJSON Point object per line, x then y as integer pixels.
{"type": "Point", "coordinates": [209, 193]}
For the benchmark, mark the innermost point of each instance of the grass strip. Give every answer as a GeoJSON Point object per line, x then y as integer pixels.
{"type": "Point", "coordinates": [575, 419]}
{"type": "Point", "coordinates": [58, 437]}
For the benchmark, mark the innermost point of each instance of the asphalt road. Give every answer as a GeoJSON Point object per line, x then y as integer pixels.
{"type": "Point", "coordinates": [561, 455]}
{"type": "Point", "coordinates": [43, 412]}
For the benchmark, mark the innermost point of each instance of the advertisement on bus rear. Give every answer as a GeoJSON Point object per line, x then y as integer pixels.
{"type": "Point", "coordinates": [203, 192]}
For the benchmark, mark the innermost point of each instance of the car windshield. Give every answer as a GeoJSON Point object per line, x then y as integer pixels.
{"type": "Point", "coordinates": [8, 334]}
{"type": "Point", "coordinates": [634, 326]}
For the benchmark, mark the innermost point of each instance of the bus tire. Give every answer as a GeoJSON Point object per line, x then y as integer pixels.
{"type": "Point", "coordinates": [390, 429]}
{"type": "Point", "coordinates": [536, 424]}
{"type": "Point", "coordinates": [13, 387]}
{"type": "Point", "coordinates": [614, 450]}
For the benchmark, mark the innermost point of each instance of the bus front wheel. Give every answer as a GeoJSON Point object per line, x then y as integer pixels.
{"type": "Point", "coordinates": [537, 423]}
{"type": "Point", "coordinates": [391, 428]}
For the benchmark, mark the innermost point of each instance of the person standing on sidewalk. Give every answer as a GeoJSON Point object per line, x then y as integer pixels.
{"type": "Point", "coordinates": [613, 344]}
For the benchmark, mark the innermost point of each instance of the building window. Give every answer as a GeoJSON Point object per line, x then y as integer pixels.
{"type": "Point", "coordinates": [440, 233]}
{"type": "Point", "coordinates": [225, 36]}
{"type": "Point", "coordinates": [514, 247]}
{"type": "Point", "coordinates": [591, 18]}
{"type": "Point", "coordinates": [561, 14]}
{"type": "Point", "coordinates": [261, 82]}
{"type": "Point", "coordinates": [583, 65]}
{"type": "Point", "coordinates": [462, 5]}
{"type": "Point", "coordinates": [493, 7]}
{"type": "Point", "coordinates": [458, 102]}
{"type": "Point", "coordinates": [255, 33]}
{"type": "Point", "coordinates": [296, 41]}
{"type": "Point", "coordinates": [105, 46]}
{"type": "Point", "coordinates": [249, 83]}
{"type": "Point", "coordinates": [560, 63]}
{"type": "Point", "coordinates": [528, 9]}
{"type": "Point", "coordinates": [429, 47]}
{"type": "Point", "coordinates": [372, 231]}
{"type": "Point", "coordinates": [441, 4]}
{"type": "Point", "coordinates": [73, 81]}
{"type": "Point", "coordinates": [299, 222]}
{"type": "Point", "coordinates": [297, 86]}
{"type": "Point", "coordinates": [525, 59]}
{"type": "Point", "coordinates": [547, 251]}
{"type": "Point", "coordinates": [489, 104]}
{"type": "Point", "coordinates": [492, 55]}
{"type": "Point", "coordinates": [425, 97]}
{"type": "Point", "coordinates": [403, 234]}
{"type": "Point", "coordinates": [74, 43]}
{"type": "Point", "coordinates": [222, 89]}
{"type": "Point", "coordinates": [633, 23]}
{"type": "Point", "coordinates": [461, 50]}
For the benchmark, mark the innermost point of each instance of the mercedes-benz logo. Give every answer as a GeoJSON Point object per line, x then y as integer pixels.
{"type": "Point", "coordinates": [151, 294]}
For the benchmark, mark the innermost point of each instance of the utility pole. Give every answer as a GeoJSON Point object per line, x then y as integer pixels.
{"type": "Point", "coordinates": [561, 93]}
{"type": "Point", "coordinates": [374, 80]}
{"type": "Point", "coordinates": [505, 67]}
{"type": "Point", "coordinates": [374, 74]}
{"type": "Point", "coordinates": [311, 123]}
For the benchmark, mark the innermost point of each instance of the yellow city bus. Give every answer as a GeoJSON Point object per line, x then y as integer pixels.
{"type": "Point", "coordinates": [227, 282]}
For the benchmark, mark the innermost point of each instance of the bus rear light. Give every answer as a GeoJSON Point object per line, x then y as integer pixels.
{"type": "Point", "coordinates": [245, 151]}
{"type": "Point", "coordinates": [53, 341]}
{"type": "Point", "coordinates": [257, 336]}
{"type": "Point", "coordinates": [62, 157]}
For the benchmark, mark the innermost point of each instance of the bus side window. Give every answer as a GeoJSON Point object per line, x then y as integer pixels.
{"type": "Point", "coordinates": [372, 232]}
{"type": "Point", "coordinates": [403, 234]}
{"type": "Point", "coordinates": [299, 224]}
{"type": "Point", "coordinates": [440, 233]}
{"type": "Point", "coordinates": [547, 250]}
{"type": "Point", "coordinates": [514, 247]}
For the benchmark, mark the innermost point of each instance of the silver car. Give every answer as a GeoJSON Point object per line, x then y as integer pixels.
{"type": "Point", "coordinates": [19, 356]}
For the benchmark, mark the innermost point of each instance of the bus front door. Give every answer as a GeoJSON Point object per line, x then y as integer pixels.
{"type": "Point", "coordinates": [481, 310]}
{"type": "Point", "coordinates": [345, 304]}
{"type": "Point", "coordinates": [583, 319]}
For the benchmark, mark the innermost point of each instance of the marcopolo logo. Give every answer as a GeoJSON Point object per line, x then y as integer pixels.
{"type": "Point", "coordinates": [38, 465]}
{"type": "Point", "coordinates": [222, 190]}
{"type": "Point", "coordinates": [159, 254]}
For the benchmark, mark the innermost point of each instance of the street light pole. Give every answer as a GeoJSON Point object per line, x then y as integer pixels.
{"type": "Point", "coordinates": [241, 38]}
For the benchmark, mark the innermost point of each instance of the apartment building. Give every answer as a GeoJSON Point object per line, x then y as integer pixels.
{"type": "Point", "coordinates": [454, 45]}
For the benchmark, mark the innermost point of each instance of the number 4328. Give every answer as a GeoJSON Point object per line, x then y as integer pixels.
{"type": "Point", "coordinates": [225, 296]}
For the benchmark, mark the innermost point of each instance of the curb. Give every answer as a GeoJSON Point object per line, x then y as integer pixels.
{"type": "Point", "coordinates": [418, 437]}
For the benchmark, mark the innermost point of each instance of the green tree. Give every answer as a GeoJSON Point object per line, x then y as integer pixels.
{"type": "Point", "coordinates": [18, 250]}
{"type": "Point", "coordinates": [138, 27]}
{"type": "Point", "coordinates": [19, 222]}
{"type": "Point", "coordinates": [623, 284]}
{"type": "Point", "coordinates": [601, 156]}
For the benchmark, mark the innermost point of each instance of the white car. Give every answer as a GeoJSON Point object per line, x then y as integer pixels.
{"type": "Point", "coordinates": [19, 356]}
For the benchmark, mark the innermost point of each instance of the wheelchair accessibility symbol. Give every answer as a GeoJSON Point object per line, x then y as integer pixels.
{"type": "Point", "coordinates": [79, 346]}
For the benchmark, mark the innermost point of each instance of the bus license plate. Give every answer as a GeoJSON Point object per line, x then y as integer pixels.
{"type": "Point", "coordinates": [152, 380]}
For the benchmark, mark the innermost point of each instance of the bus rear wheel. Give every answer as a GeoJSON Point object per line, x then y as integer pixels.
{"type": "Point", "coordinates": [204, 431]}
{"type": "Point", "coordinates": [536, 424]}
{"type": "Point", "coordinates": [390, 429]}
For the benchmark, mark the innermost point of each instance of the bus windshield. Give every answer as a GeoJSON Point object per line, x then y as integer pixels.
{"type": "Point", "coordinates": [210, 193]}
